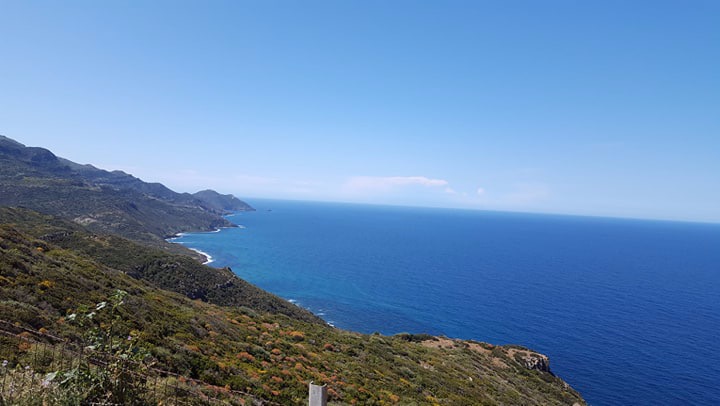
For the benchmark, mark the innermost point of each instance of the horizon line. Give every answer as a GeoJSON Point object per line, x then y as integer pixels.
{"type": "Point", "coordinates": [543, 213]}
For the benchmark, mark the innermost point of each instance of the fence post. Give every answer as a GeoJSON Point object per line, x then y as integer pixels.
{"type": "Point", "coordinates": [318, 395]}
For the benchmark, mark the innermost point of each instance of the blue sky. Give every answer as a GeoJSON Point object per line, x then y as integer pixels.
{"type": "Point", "coordinates": [579, 107]}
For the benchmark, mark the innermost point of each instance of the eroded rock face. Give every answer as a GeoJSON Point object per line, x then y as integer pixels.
{"type": "Point", "coordinates": [536, 361]}
{"type": "Point", "coordinates": [530, 359]}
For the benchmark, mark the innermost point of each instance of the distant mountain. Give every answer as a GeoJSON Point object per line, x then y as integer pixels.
{"type": "Point", "coordinates": [113, 202]}
{"type": "Point", "coordinates": [224, 203]}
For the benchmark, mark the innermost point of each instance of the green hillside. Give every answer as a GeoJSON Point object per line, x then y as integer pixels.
{"type": "Point", "coordinates": [106, 202]}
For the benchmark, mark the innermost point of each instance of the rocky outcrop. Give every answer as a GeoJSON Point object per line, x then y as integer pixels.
{"type": "Point", "coordinates": [536, 361]}
{"type": "Point", "coordinates": [530, 359]}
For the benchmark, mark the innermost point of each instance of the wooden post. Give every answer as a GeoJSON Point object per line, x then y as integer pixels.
{"type": "Point", "coordinates": [318, 395]}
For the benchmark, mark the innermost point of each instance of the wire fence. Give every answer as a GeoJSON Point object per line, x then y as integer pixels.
{"type": "Point", "coordinates": [44, 369]}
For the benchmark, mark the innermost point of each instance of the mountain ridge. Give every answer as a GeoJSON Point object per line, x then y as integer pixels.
{"type": "Point", "coordinates": [105, 201]}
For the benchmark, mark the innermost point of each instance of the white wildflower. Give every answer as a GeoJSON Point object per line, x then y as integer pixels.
{"type": "Point", "coordinates": [48, 379]}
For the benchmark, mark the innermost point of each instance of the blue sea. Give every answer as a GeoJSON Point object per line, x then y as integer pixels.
{"type": "Point", "coordinates": [627, 310]}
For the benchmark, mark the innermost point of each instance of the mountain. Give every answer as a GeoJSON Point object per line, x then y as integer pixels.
{"type": "Point", "coordinates": [109, 202]}
{"type": "Point", "coordinates": [224, 203]}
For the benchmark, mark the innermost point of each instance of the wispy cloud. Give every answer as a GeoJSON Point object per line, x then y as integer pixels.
{"type": "Point", "coordinates": [515, 196]}
{"type": "Point", "coordinates": [363, 184]}
{"type": "Point", "coordinates": [525, 193]}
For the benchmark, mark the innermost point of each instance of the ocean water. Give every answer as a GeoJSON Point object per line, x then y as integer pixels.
{"type": "Point", "coordinates": [627, 310]}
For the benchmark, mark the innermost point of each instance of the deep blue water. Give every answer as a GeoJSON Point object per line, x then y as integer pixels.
{"type": "Point", "coordinates": [627, 310]}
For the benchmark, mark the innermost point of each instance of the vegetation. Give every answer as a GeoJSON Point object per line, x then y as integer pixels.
{"type": "Point", "coordinates": [224, 203]}
{"type": "Point", "coordinates": [106, 202]}
{"type": "Point", "coordinates": [173, 272]}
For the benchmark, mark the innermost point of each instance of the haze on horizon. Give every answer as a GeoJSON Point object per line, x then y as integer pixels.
{"type": "Point", "coordinates": [591, 108]}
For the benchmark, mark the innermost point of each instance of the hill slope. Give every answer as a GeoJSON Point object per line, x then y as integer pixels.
{"type": "Point", "coordinates": [224, 203]}
{"type": "Point", "coordinates": [177, 273]}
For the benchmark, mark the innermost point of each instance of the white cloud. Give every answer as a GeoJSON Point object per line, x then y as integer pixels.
{"type": "Point", "coordinates": [380, 184]}
{"type": "Point", "coordinates": [450, 191]}
{"type": "Point", "coordinates": [480, 191]}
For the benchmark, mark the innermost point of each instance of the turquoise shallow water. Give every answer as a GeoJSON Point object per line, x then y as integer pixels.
{"type": "Point", "coordinates": [627, 310]}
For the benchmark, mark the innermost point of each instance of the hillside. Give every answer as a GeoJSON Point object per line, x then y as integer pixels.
{"type": "Point", "coordinates": [107, 202]}
{"type": "Point", "coordinates": [177, 273]}
{"type": "Point", "coordinates": [51, 284]}
{"type": "Point", "coordinates": [223, 203]}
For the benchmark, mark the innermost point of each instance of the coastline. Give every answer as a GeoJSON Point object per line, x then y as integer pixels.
{"type": "Point", "coordinates": [208, 258]}
{"type": "Point", "coordinates": [320, 313]}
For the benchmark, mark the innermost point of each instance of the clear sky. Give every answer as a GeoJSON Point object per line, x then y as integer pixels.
{"type": "Point", "coordinates": [579, 107]}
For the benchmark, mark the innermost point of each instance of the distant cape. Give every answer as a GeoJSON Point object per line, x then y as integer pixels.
{"type": "Point", "coordinates": [106, 201]}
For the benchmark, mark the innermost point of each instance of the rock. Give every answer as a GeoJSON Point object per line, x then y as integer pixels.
{"type": "Point", "coordinates": [536, 361]}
